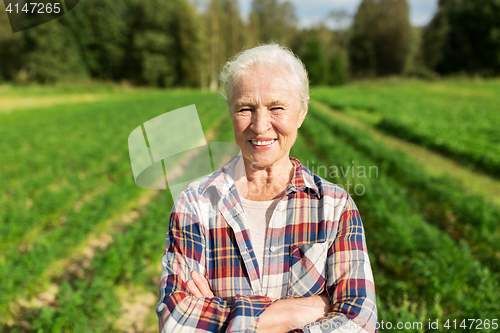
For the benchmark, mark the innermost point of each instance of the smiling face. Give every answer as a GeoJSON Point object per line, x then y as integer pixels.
{"type": "Point", "coordinates": [266, 113]}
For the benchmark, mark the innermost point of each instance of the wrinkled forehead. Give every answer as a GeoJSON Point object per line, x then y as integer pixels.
{"type": "Point", "coordinates": [265, 85]}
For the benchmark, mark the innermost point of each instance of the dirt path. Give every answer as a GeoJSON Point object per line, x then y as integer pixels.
{"type": "Point", "coordinates": [434, 164]}
{"type": "Point", "coordinates": [9, 104]}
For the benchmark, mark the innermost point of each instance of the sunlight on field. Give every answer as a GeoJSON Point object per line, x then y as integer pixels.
{"type": "Point", "coordinates": [446, 89]}
{"type": "Point", "coordinates": [81, 244]}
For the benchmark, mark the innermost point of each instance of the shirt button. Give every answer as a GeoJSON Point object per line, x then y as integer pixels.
{"type": "Point", "coordinates": [272, 249]}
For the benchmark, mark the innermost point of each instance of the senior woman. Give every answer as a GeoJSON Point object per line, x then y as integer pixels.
{"type": "Point", "coordinates": [263, 244]}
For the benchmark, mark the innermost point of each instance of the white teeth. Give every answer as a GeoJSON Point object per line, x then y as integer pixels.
{"type": "Point", "coordinates": [261, 143]}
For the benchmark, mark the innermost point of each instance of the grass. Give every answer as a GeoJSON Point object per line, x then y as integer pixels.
{"type": "Point", "coordinates": [434, 164]}
{"type": "Point", "coordinates": [66, 171]}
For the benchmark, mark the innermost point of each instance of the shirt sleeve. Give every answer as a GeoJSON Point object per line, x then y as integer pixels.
{"type": "Point", "coordinates": [350, 284]}
{"type": "Point", "coordinates": [177, 309]}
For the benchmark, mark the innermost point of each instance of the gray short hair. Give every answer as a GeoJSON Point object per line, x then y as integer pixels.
{"type": "Point", "coordinates": [272, 56]}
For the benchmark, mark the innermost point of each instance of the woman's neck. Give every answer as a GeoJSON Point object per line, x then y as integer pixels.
{"type": "Point", "coordinates": [262, 184]}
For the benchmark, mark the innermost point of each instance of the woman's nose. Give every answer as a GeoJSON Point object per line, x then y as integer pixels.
{"type": "Point", "coordinates": [261, 121]}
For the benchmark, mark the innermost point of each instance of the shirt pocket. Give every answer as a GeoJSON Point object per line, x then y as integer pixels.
{"type": "Point", "coordinates": [307, 269]}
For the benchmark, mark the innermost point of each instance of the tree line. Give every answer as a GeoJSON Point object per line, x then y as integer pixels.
{"type": "Point", "coordinates": [169, 43]}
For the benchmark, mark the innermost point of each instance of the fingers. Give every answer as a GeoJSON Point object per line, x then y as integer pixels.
{"type": "Point", "coordinates": [202, 284]}
{"type": "Point", "coordinates": [326, 302]}
{"type": "Point", "coordinates": [199, 286]}
{"type": "Point", "coordinates": [193, 289]}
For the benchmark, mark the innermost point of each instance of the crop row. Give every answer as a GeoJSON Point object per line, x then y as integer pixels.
{"type": "Point", "coordinates": [458, 121]}
{"type": "Point", "coordinates": [90, 301]}
{"type": "Point", "coordinates": [414, 263]}
{"type": "Point", "coordinates": [420, 271]}
{"type": "Point", "coordinates": [67, 153]}
{"type": "Point", "coordinates": [132, 261]}
{"type": "Point", "coordinates": [443, 202]}
{"type": "Point", "coordinates": [392, 298]}
{"type": "Point", "coordinates": [34, 238]}
{"type": "Point", "coordinates": [419, 261]}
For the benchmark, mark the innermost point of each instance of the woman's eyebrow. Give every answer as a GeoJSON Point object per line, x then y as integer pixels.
{"type": "Point", "coordinates": [241, 103]}
{"type": "Point", "coordinates": [278, 102]}
{"type": "Point", "coordinates": [248, 102]}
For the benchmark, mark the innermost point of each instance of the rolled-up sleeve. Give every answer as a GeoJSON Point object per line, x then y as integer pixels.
{"type": "Point", "coordinates": [177, 309]}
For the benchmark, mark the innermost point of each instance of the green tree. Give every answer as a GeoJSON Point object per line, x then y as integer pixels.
{"type": "Point", "coordinates": [89, 41]}
{"type": "Point", "coordinates": [11, 46]}
{"type": "Point", "coordinates": [464, 36]}
{"type": "Point", "coordinates": [435, 37]}
{"type": "Point", "coordinates": [226, 36]}
{"type": "Point", "coordinates": [415, 64]}
{"type": "Point", "coordinates": [188, 32]}
{"type": "Point", "coordinates": [381, 37]}
{"type": "Point", "coordinates": [338, 63]}
{"type": "Point", "coordinates": [393, 36]}
{"type": "Point", "coordinates": [52, 54]}
{"type": "Point", "coordinates": [273, 21]}
{"type": "Point", "coordinates": [100, 29]}
{"type": "Point", "coordinates": [361, 46]}
{"type": "Point", "coordinates": [321, 51]}
{"type": "Point", "coordinates": [153, 48]}
{"type": "Point", "coordinates": [165, 43]}
{"type": "Point", "coordinates": [234, 35]}
{"type": "Point", "coordinates": [155, 42]}
{"type": "Point", "coordinates": [314, 58]}
{"type": "Point", "coordinates": [337, 68]}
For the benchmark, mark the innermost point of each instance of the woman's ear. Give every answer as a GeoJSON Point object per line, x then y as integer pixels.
{"type": "Point", "coordinates": [303, 112]}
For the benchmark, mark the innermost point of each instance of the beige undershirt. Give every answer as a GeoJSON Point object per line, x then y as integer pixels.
{"type": "Point", "coordinates": [258, 215]}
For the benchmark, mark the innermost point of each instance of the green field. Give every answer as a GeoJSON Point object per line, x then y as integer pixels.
{"type": "Point", "coordinates": [459, 119]}
{"type": "Point", "coordinates": [81, 244]}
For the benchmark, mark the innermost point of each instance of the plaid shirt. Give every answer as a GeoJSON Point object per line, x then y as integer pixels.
{"type": "Point", "coordinates": [315, 243]}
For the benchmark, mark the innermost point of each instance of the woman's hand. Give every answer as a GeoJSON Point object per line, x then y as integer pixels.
{"type": "Point", "coordinates": [199, 286]}
{"type": "Point", "coordinates": [286, 314]}
{"type": "Point", "coordinates": [282, 315]}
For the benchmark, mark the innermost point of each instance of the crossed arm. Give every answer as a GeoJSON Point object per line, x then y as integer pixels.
{"type": "Point", "coordinates": [188, 302]}
{"type": "Point", "coordinates": [278, 316]}
{"type": "Point", "coordinates": [188, 305]}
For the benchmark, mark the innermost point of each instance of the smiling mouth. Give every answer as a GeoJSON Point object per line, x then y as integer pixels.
{"type": "Point", "coordinates": [262, 143]}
